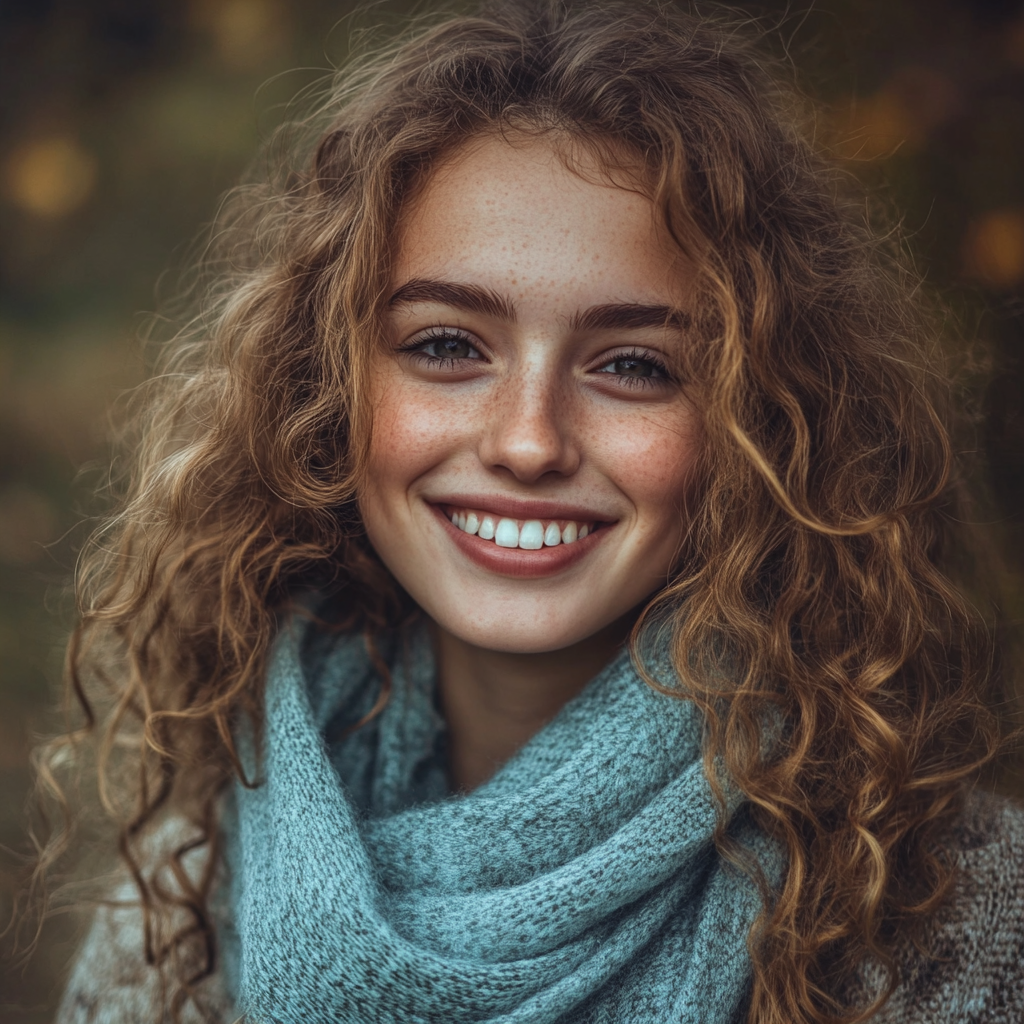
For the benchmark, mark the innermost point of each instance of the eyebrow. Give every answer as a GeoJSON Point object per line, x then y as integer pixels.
{"type": "Point", "coordinates": [626, 316]}
{"type": "Point", "coordinates": [474, 299]}
{"type": "Point", "coordinates": [468, 297]}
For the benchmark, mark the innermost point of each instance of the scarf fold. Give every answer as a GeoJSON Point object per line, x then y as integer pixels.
{"type": "Point", "coordinates": [580, 883]}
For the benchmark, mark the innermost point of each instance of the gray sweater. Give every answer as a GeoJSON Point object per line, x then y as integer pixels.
{"type": "Point", "coordinates": [972, 969]}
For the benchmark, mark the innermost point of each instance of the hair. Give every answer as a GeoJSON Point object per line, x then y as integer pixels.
{"type": "Point", "coordinates": [818, 580]}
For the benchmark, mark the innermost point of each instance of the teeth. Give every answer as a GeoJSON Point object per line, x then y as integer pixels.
{"type": "Point", "coordinates": [507, 534]}
{"type": "Point", "coordinates": [531, 535]}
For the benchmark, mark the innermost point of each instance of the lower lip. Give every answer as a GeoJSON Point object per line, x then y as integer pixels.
{"type": "Point", "coordinates": [517, 561]}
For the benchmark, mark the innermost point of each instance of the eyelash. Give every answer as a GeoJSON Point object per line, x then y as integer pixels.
{"type": "Point", "coordinates": [437, 334]}
{"type": "Point", "coordinates": [639, 355]}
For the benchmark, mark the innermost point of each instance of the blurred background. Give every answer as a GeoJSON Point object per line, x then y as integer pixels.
{"type": "Point", "coordinates": [122, 121]}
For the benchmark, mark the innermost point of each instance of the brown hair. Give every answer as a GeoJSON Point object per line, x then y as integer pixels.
{"type": "Point", "coordinates": [816, 586]}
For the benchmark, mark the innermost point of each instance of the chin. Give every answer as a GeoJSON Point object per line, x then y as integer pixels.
{"type": "Point", "coordinates": [509, 635]}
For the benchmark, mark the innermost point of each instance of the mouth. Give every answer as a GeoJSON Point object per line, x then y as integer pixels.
{"type": "Point", "coordinates": [525, 534]}
{"type": "Point", "coordinates": [519, 543]}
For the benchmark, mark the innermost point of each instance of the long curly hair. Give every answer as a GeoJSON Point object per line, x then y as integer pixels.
{"type": "Point", "coordinates": [820, 584]}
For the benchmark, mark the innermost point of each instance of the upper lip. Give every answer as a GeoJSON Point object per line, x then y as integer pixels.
{"type": "Point", "coordinates": [523, 508]}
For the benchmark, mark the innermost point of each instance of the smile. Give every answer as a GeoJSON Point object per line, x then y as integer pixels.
{"type": "Point", "coordinates": [526, 534]}
{"type": "Point", "coordinates": [524, 542]}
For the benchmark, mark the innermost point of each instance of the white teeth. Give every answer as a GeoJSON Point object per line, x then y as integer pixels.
{"type": "Point", "coordinates": [507, 534]}
{"type": "Point", "coordinates": [531, 536]}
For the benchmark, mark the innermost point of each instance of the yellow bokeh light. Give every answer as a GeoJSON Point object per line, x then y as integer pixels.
{"type": "Point", "coordinates": [993, 250]}
{"type": "Point", "coordinates": [910, 105]}
{"type": "Point", "coordinates": [875, 127]}
{"type": "Point", "coordinates": [247, 34]}
{"type": "Point", "coordinates": [50, 177]}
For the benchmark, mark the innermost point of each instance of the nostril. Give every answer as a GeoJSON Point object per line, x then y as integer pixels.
{"type": "Point", "coordinates": [529, 458]}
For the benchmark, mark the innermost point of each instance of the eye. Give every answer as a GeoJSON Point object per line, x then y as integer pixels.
{"type": "Point", "coordinates": [443, 347]}
{"type": "Point", "coordinates": [636, 369]}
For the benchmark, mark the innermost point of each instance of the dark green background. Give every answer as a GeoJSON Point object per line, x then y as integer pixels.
{"type": "Point", "coordinates": [122, 121]}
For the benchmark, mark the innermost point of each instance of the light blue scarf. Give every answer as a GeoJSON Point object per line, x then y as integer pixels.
{"type": "Point", "coordinates": [579, 884]}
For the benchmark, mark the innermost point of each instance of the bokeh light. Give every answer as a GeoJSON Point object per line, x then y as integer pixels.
{"type": "Point", "coordinates": [247, 34]}
{"type": "Point", "coordinates": [994, 249]}
{"type": "Point", "coordinates": [913, 103]}
{"type": "Point", "coordinates": [51, 177]}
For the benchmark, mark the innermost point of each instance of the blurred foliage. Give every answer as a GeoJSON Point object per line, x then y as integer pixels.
{"type": "Point", "coordinates": [123, 120]}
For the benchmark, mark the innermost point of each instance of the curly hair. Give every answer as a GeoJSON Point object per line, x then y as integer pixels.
{"type": "Point", "coordinates": [819, 580]}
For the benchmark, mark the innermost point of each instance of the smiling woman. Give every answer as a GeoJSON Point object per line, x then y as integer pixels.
{"type": "Point", "coordinates": [546, 404]}
{"type": "Point", "coordinates": [536, 595]}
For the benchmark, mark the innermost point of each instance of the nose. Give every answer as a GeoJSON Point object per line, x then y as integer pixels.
{"type": "Point", "coordinates": [530, 428]}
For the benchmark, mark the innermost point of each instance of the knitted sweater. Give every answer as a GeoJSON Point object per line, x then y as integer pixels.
{"type": "Point", "coordinates": [973, 972]}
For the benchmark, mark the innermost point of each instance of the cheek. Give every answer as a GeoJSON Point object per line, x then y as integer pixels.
{"type": "Point", "coordinates": [412, 431]}
{"type": "Point", "coordinates": [651, 456]}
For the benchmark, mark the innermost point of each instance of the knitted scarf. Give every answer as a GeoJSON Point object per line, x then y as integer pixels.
{"type": "Point", "coordinates": [580, 883]}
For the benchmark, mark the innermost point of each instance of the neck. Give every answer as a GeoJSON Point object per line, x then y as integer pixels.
{"type": "Point", "coordinates": [494, 701]}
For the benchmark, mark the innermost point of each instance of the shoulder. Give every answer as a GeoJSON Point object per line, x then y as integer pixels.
{"type": "Point", "coordinates": [989, 844]}
{"type": "Point", "coordinates": [111, 981]}
{"type": "Point", "coordinates": [970, 967]}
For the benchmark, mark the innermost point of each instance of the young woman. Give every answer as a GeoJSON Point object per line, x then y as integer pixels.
{"type": "Point", "coordinates": [535, 594]}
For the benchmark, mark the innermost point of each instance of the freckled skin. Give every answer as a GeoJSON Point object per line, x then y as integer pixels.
{"type": "Point", "coordinates": [535, 416]}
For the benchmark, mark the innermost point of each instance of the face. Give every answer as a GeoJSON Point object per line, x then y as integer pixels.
{"type": "Point", "coordinates": [530, 448]}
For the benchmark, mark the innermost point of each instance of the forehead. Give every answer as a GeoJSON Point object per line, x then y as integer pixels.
{"type": "Point", "coordinates": [513, 216]}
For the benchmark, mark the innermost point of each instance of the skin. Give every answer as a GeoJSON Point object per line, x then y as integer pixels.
{"type": "Point", "coordinates": [521, 399]}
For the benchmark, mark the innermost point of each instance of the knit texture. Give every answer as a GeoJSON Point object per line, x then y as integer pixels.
{"type": "Point", "coordinates": [580, 883]}
{"type": "Point", "coordinates": [583, 867]}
